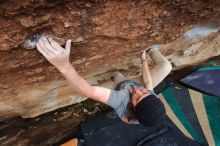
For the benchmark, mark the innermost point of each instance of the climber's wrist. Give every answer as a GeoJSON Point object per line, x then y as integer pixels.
{"type": "Point", "coordinates": [143, 60]}
{"type": "Point", "coordinates": [64, 68]}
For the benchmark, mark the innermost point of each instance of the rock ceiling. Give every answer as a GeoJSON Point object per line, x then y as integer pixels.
{"type": "Point", "coordinates": [107, 37]}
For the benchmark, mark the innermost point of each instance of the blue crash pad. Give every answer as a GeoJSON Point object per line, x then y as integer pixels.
{"type": "Point", "coordinates": [205, 79]}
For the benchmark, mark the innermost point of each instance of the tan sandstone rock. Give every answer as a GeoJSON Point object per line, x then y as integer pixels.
{"type": "Point", "coordinates": [107, 37]}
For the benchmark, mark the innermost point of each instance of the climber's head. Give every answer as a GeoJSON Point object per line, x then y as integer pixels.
{"type": "Point", "coordinates": [138, 94]}
{"type": "Point", "coordinates": [148, 109]}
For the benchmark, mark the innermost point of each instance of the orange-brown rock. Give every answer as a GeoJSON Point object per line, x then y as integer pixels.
{"type": "Point", "coordinates": [107, 36]}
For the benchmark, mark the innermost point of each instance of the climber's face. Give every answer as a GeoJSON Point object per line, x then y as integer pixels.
{"type": "Point", "coordinates": [138, 94]}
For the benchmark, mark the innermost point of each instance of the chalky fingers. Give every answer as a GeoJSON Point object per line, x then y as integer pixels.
{"type": "Point", "coordinates": [45, 45]}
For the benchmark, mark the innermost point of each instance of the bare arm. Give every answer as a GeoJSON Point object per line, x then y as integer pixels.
{"type": "Point", "coordinates": [83, 88]}
{"type": "Point", "coordinates": [59, 57]}
{"type": "Point", "coordinates": [146, 72]}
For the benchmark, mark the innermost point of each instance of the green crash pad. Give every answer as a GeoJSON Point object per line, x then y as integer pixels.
{"type": "Point", "coordinates": [196, 114]}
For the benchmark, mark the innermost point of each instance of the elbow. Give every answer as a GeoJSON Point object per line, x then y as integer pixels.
{"type": "Point", "coordinates": [93, 92]}
{"type": "Point", "coordinates": [89, 92]}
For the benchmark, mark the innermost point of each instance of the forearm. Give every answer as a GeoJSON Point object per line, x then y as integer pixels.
{"type": "Point", "coordinates": [59, 57]}
{"type": "Point", "coordinates": [76, 81]}
{"type": "Point", "coordinates": [146, 76]}
{"type": "Point", "coordinates": [80, 85]}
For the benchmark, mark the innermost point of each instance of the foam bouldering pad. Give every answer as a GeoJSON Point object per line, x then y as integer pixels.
{"type": "Point", "coordinates": [205, 79]}
{"type": "Point", "coordinates": [108, 130]}
{"type": "Point", "coordinates": [170, 138]}
{"type": "Point", "coordinates": [179, 99]}
{"type": "Point", "coordinates": [72, 142]}
{"type": "Point", "coordinates": [196, 114]}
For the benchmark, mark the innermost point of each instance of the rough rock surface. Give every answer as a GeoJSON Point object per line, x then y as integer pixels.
{"type": "Point", "coordinates": [59, 126]}
{"type": "Point", "coordinates": [107, 37]}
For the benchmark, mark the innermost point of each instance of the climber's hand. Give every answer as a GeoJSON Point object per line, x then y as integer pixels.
{"type": "Point", "coordinates": [54, 53]}
{"type": "Point", "coordinates": [143, 55]}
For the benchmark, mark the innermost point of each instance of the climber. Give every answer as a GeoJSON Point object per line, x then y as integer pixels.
{"type": "Point", "coordinates": [129, 99]}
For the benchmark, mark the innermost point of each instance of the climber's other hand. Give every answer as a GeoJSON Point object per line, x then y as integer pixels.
{"type": "Point", "coordinates": [143, 55]}
{"type": "Point", "coordinates": [54, 53]}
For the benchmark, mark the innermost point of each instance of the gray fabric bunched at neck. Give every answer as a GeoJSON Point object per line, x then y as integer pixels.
{"type": "Point", "coordinates": [120, 99]}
